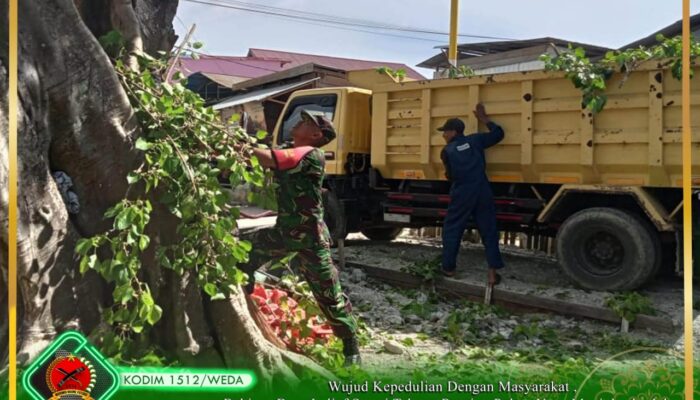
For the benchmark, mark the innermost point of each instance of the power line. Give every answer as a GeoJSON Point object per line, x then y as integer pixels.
{"type": "Point", "coordinates": [324, 17]}
{"type": "Point", "coordinates": [342, 28]}
{"type": "Point", "coordinates": [331, 19]}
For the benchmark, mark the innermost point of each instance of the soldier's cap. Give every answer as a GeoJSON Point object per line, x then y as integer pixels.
{"type": "Point", "coordinates": [323, 123]}
{"type": "Point", "coordinates": [453, 124]}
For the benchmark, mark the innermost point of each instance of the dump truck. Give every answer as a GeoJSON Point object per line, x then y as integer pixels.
{"type": "Point", "coordinates": [607, 186]}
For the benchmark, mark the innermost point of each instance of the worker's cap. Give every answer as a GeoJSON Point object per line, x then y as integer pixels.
{"type": "Point", "coordinates": [323, 123]}
{"type": "Point", "coordinates": [452, 124]}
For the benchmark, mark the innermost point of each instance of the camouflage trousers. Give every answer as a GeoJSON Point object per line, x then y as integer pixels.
{"type": "Point", "coordinates": [315, 265]}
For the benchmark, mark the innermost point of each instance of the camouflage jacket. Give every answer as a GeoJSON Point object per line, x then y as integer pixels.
{"type": "Point", "coordinates": [299, 174]}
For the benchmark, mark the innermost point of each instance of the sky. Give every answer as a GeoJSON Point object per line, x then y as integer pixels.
{"type": "Point", "coordinates": [610, 23]}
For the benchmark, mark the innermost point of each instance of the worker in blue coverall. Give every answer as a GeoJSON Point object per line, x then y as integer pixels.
{"type": "Point", "coordinates": [470, 193]}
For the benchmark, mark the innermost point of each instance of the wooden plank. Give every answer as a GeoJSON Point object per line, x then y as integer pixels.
{"type": "Point", "coordinates": [425, 127]}
{"type": "Point", "coordinates": [626, 102]}
{"type": "Point", "coordinates": [557, 104]}
{"type": "Point", "coordinates": [403, 99]}
{"type": "Point", "coordinates": [612, 137]}
{"type": "Point", "coordinates": [574, 104]}
{"type": "Point", "coordinates": [562, 137]}
{"type": "Point", "coordinates": [656, 122]}
{"type": "Point", "coordinates": [405, 113]}
{"type": "Point", "coordinates": [513, 300]}
{"type": "Point", "coordinates": [379, 127]}
{"type": "Point", "coordinates": [457, 111]}
{"type": "Point", "coordinates": [472, 123]}
{"type": "Point", "coordinates": [673, 99]}
{"type": "Point", "coordinates": [658, 176]}
{"type": "Point", "coordinates": [526, 115]}
{"type": "Point", "coordinates": [403, 140]}
{"type": "Point", "coordinates": [586, 138]}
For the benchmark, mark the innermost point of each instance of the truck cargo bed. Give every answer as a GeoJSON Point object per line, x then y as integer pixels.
{"type": "Point", "coordinates": [634, 141]}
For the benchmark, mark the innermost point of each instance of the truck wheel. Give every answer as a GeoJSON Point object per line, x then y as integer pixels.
{"type": "Point", "coordinates": [608, 249]}
{"type": "Point", "coordinates": [334, 217]}
{"type": "Point", "coordinates": [385, 234]}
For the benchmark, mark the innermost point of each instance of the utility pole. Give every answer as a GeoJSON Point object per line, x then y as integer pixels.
{"type": "Point", "coordinates": [454, 17]}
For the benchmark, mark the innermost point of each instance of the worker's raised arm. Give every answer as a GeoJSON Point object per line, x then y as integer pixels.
{"type": "Point", "coordinates": [495, 133]}
{"type": "Point", "coordinates": [265, 158]}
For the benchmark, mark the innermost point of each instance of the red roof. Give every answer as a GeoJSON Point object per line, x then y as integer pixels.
{"type": "Point", "coordinates": [345, 64]}
{"type": "Point", "coordinates": [246, 67]}
{"type": "Point", "coordinates": [260, 62]}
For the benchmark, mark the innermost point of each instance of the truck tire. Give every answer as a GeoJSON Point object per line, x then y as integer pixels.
{"type": "Point", "coordinates": [608, 249]}
{"type": "Point", "coordinates": [334, 217]}
{"type": "Point", "coordinates": [388, 233]}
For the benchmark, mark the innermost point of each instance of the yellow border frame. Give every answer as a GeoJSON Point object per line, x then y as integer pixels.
{"type": "Point", "coordinates": [687, 211]}
{"type": "Point", "coordinates": [12, 183]}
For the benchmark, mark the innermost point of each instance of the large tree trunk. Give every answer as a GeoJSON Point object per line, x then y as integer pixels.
{"type": "Point", "coordinates": [75, 117]}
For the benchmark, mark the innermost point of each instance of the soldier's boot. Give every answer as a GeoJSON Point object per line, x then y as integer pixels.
{"type": "Point", "coordinates": [351, 350]}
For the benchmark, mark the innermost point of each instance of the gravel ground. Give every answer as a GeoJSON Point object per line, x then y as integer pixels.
{"type": "Point", "coordinates": [406, 327]}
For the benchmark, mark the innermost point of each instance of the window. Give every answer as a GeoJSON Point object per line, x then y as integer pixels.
{"type": "Point", "coordinates": [323, 103]}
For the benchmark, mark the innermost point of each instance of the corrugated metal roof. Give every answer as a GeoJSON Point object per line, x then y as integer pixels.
{"type": "Point", "coordinates": [470, 50]}
{"type": "Point", "coordinates": [345, 64]}
{"type": "Point", "coordinates": [246, 67]}
{"type": "Point", "coordinates": [258, 95]}
{"type": "Point", "coordinates": [225, 80]}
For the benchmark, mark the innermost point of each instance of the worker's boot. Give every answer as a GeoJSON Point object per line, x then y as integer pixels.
{"type": "Point", "coordinates": [351, 350]}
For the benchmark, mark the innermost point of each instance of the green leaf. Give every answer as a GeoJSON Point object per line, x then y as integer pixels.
{"type": "Point", "coordinates": [124, 219]}
{"type": "Point", "coordinates": [143, 144]}
{"type": "Point", "coordinates": [132, 177]}
{"type": "Point", "coordinates": [210, 289]}
{"type": "Point", "coordinates": [245, 245]}
{"type": "Point", "coordinates": [83, 246]}
{"type": "Point", "coordinates": [147, 299]}
{"type": "Point", "coordinates": [88, 262]}
{"type": "Point", "coordinates": [218, 296]}
{"type": "Point", "coordinates": [123, 293]}
{"type": "Point", "coordinates": [83, 265]}
{"type": "Point", "coordinates": [261, 134]}
{"type": "Point", "coordinates": [143, 242]}
{"type": "Point", "coordinates": [154, 315]}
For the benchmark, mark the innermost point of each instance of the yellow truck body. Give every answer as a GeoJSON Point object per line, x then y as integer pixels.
{"type": "Point", "coordinates": [549, 138]}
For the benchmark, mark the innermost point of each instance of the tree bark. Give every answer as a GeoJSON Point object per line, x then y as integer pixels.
{"type": "Point", "coordinates": [74, 117]}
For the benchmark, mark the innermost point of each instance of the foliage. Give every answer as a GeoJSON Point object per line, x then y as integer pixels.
{"type": "Point", "coordinates": [398, 74]}
{"type": "Point", "coordinates": [328, 354]}
{"type": "Point", "coordinates": [591, 77]}
{"type": "Point", "coordinates": [462, 326]}
{"type": "Point", "coordinates": [426, 269]}
{"type": "Point", "coordinates": [463, 71]}
{"type": "Point", "coordinates": [418, 309]}
{"type": "Point", "coordinates": [629, 305]}
{"type": "Point", "coordinates": [185, 149]}
{"type": "Point", "coordinates": [588, 76]}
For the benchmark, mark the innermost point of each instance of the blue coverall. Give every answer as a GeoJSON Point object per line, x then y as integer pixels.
{"type": "Point", "coordinates": [470, 193]}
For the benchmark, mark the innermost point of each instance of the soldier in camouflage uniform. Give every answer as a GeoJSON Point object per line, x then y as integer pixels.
{"type": "Point", "coordinates": [299, 171]}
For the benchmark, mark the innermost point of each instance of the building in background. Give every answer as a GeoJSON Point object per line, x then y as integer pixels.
{"type": "Point", "coordinates": [523, 55]}
{"type": "Point", "coordinates": [212, 76]}
{"type": "Point", "coordinates": [257, 86]}
{"type": "Point", "coordinates": [504, 56]}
